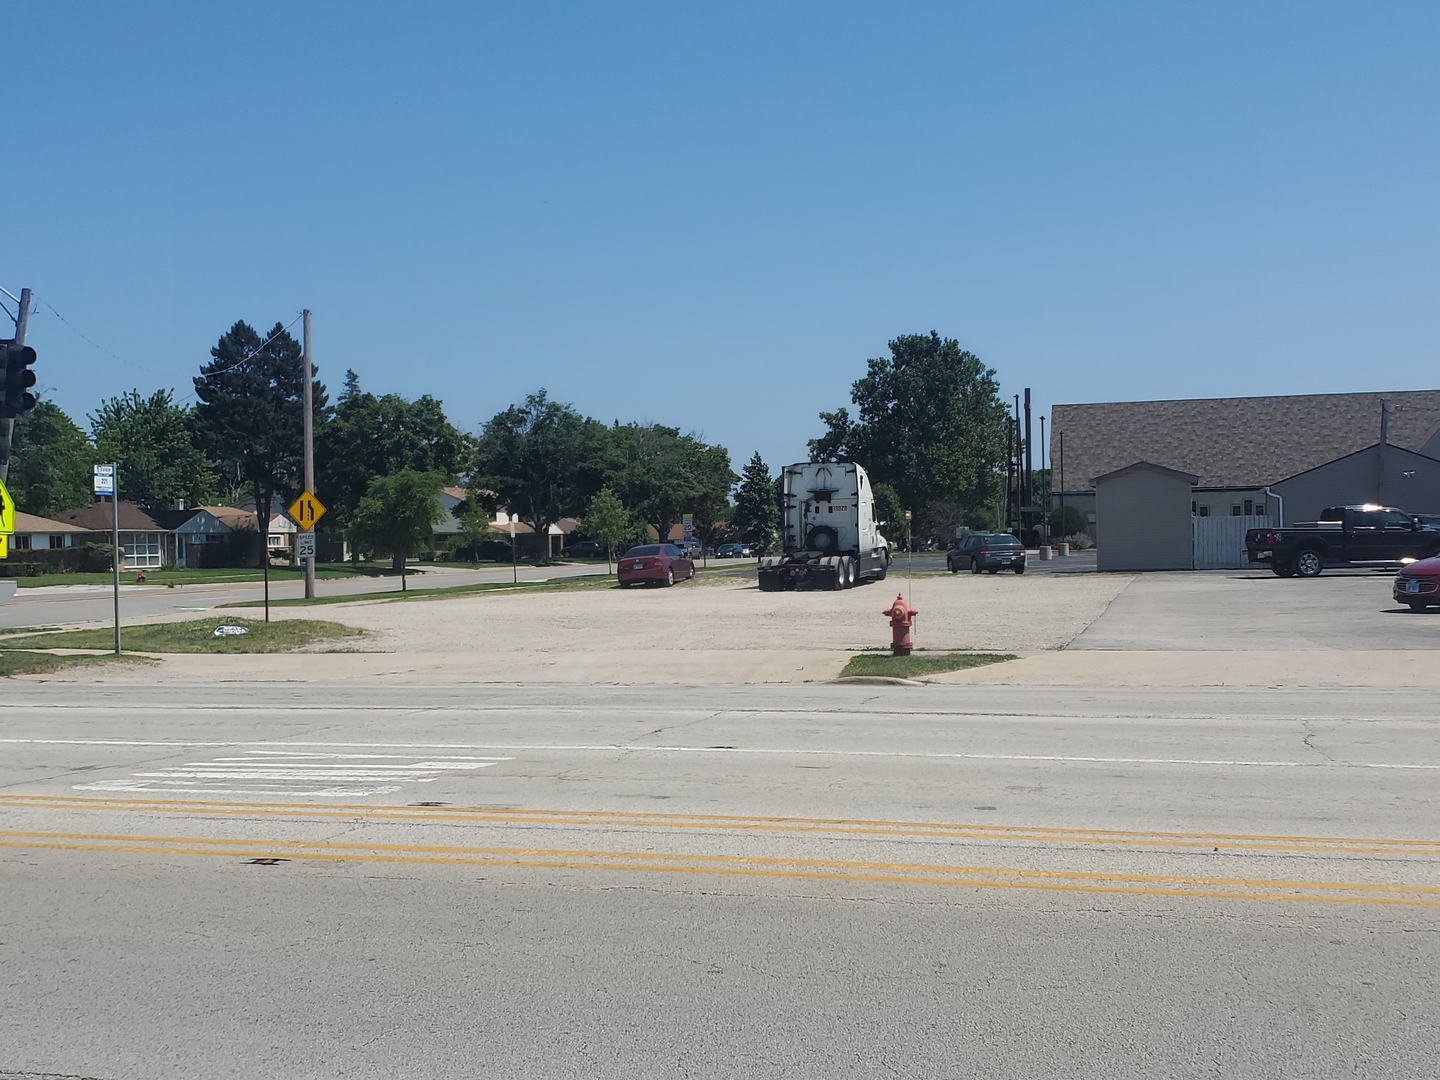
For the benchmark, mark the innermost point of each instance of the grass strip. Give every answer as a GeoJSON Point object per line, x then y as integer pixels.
{"type": "Point", "coordinates": [586, 581]}
{"type": "Point", "coordinates": [919, 663]}
{"type": "Point", "coordinates": [216, 576]}
{"type": "Point", "coordinates": [37, 663]}
{"type": "Point", "coordinates": [196, 636]}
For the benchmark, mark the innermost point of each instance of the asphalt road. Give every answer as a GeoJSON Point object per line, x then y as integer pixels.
{"type": "Point", "coordinates": [79, 605]}
{"type": "Point", "coordinates": [817, 881]}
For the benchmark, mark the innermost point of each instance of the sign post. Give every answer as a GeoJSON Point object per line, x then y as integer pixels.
{"type": "Point", "coordinates": [105, 485]}
{"type": "Point", "coordinates": [306, 511]}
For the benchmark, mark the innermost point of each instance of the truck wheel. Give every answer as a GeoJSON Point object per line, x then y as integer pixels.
{"type": "Point", "coordinates": [950, 565]}
{"type": "Point", "coordinates": [1281, 571]}
{"type": "Point", "coordinates": [1020, 569]}
{"type": "Point", "coordinates": [837, 578]}
{"type": "Point", "coordinates": [852, 573]}
{"type": "Point", "coordinates": [1309, 564]}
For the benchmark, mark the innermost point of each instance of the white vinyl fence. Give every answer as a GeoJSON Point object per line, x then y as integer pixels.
{"type": "Point", "coordinates": [1220, 541]}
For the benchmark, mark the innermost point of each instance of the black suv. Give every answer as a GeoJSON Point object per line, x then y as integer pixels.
{"type": "Point", "coordinates": [991, 552]}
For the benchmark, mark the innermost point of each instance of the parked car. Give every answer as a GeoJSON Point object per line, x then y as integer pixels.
{"type": "Point", "coordinates": [585, 549]}
{"type": "Point", "coordinates": [1367, 535]}
{"type": "Point", "coordinates": [691, 549]}
{"type": "Point", "coordinates": [990, 552]}
{"type": "Point", "coordinates": [656, 564]}
{"type": "Point", "coordinates": [1418, 584]}
{"type": "Point", "coordinates": [733, 551]}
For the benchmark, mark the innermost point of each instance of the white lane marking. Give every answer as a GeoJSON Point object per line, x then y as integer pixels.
{"type": "Point", "coordinates": [271, 772]}
{"type": "Point", "coordinates": [1081, 759]}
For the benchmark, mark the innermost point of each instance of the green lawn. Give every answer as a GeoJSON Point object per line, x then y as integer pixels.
{"type": "Point", "coordinates": [918, 663]}
{"type": "Point", "coordinates": [194, 636]}
{"type": "Point", "coordinates": [30, 663]}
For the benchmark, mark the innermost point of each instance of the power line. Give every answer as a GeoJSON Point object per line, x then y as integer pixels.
{"type": "Point", "coordinates": [189, 394]}
{"type": "Point", "coordinates": [92, 344]}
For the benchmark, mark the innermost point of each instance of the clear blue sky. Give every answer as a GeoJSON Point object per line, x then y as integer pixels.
{"type": "Point", "coordinates": [710, 216]}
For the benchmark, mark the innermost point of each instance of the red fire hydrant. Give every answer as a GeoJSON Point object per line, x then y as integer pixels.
{"type": "Point", "coordinates": [902, 617]}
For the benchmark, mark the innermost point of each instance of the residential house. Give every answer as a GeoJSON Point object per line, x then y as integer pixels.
{"type": "Point", "coordinates": [191, 530]}
{"type": "Point", "coordinates": [143, 540]}
{"type": "Point", "coordinates": [525, 541]}
{"type": "Point", "coordinates": [34, 533]}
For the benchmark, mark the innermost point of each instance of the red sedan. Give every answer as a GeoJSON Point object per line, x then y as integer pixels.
{"type": "Point", "coordinates": [1419, 584]}
{"type": "Point", "coordinates": [658, 564]}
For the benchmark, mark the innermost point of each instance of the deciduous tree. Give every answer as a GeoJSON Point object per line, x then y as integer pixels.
{"type": "Point", "coordinates": [608, 522]}
{"type": "Point", "coordinates": [397, 515]}
{"type": "Point", "coordinates": [50, 462]}
{"type": "Point", "coordinates": [541, 461]}
{"type": "Point", "coordinates": [371, 436]}
{"type": "Point", "coordinates": [930, 423]}
{"type": "Point", "coordinates": [150, 441]}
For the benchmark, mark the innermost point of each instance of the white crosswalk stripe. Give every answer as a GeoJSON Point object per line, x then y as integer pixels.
{"type": "Point", "coordinates": [281, 772]}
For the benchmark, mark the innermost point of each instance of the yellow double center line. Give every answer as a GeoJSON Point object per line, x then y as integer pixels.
{"type": "Point", "coordinates": [731, 865]}
{"type": "Point", "coordinates": [1118, 838]}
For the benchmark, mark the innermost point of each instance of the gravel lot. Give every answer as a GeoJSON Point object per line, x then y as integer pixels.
{"type": "Point", "coordinates": [1005, 612]}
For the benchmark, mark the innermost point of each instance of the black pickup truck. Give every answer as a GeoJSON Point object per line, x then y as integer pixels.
{"type": "Point", "coordinates": [1366, 535]}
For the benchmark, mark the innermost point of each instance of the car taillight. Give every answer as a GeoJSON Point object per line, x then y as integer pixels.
{"type": "Point", "coordinates": [984, 548]}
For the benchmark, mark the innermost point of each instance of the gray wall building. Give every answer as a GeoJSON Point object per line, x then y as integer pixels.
{"type": "Point", "coordinates": [1388, 475]}
{"type": "Point", "coordinates": [1142, 518]}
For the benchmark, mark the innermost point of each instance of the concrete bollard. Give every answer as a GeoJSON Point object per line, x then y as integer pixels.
{"type": "Point", "coordinates": [1062, 550]}
{"type": "Point", "coordinates": [1044, 552]}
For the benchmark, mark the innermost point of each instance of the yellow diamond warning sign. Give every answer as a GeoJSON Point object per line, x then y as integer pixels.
{"type": "Point", "coordinates": [306, 511]}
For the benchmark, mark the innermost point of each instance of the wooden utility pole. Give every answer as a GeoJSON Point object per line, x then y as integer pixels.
{"type": "Point", "coordinates": [7, 426]}
{"type": "Point", "coordinates": [309, 451]}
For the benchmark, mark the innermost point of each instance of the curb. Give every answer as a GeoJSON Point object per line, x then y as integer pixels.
{"type": "Point", "coordinates": [876, 680]}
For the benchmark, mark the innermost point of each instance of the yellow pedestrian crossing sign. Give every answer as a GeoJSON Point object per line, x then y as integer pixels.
{"type": "Point", "coordinates": [7, 511]}
{"type": "Point", "coordinates": [306, 511]}
{"type": "Point", "coordinates": [4, 546]}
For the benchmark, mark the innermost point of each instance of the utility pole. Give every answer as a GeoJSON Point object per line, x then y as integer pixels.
{"type": "Point", "coordinates": [309, 452]}
{"type": "Point", "coordinates": [1044, 488]}
{"type": "Point", "coordinates": [7, 426]}
{"type": "Point", "coordinates": [1029, 483]}
{"type": "Point", "coordinates": [1010, 470]}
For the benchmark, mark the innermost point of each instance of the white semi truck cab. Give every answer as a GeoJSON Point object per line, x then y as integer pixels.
{"type": "Point", "coordinates": [828, 529]}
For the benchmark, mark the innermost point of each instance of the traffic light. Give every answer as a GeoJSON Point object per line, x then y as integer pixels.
{"type": "Point", "coordinates": [18, 380]}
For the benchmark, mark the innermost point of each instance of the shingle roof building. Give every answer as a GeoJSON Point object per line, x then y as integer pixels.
{"type": "Point", "coordinates": [1237, 441]}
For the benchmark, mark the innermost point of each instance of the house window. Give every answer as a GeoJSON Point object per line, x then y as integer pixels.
{"type": "Point", "coordinates": [142, 550]}
{"type": "Point", "coordinates": [1204, 511]}
{"type": "Point", "coordinates": [1249, 507]}
{"type": "Point", "coordinates": [1194, 507]}
{"type": "Point", "coordinates": [1235, 510]}
{"type": "Point", "coordinates": [57, 541]}
{"type": "Point", "coordinates": [22, 542]}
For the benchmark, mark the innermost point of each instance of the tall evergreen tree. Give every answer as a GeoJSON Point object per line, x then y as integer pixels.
{"type": "Point", "coordinates": [250, 418]}
{"type": "Point", "coordinates": [756, 516]}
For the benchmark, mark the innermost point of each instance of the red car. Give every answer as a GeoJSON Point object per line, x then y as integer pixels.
{"type": "Point", "coordinates": [659, 564]}
{"type": "Point", "coordinates": [1419, 584]}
